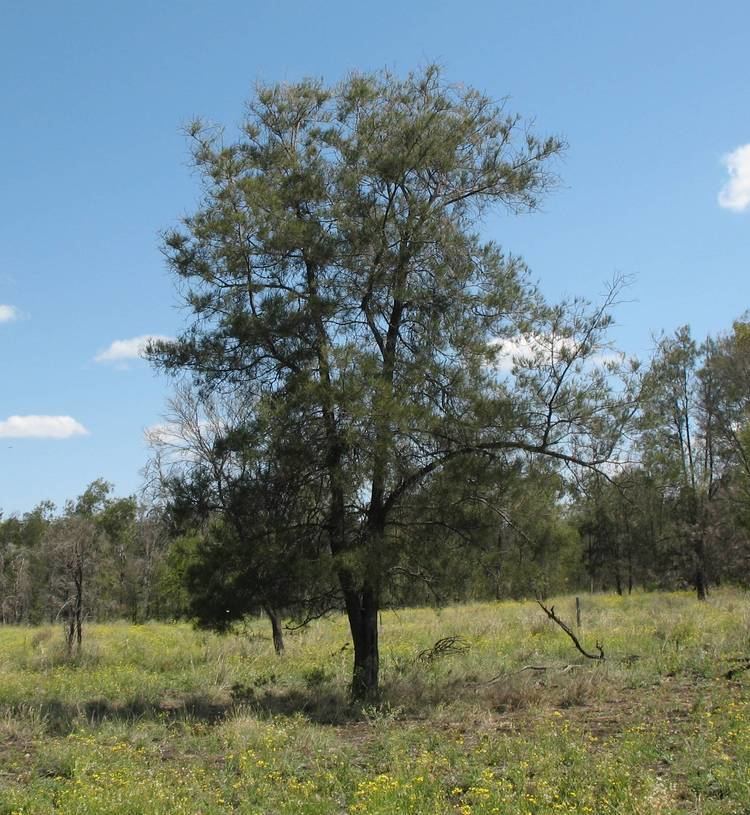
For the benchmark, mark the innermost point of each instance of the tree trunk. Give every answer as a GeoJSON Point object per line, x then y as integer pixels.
{"type": "Point", "coordinates": [70, 631]}
{"type": "Point", "coordinates": [276, 629]}
{"type": "Point", "coordinates": [362, 610]}
{"type": "Point", "coordinates": [630, 571]}
{"type": "Point", "coordinates": [618, 577]}
{"type": "Point", "coordinates": [78, 607]}
{"type": "Point", "coordinates": [701, 580]}
{"type": "Point", "coordinates": [78, 628]}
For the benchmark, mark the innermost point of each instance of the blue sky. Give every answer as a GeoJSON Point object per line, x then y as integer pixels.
{"type": "Point", "coordinates": [652, 98]}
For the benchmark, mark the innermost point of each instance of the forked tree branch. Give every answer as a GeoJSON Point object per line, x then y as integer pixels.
{"type": "Point", "coordinates": [550, 612]}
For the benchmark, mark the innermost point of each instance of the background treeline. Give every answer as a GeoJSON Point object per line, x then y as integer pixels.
{"type": "Point", "coordinates": [213, 543]}
{"type": "Point", "coordinates": [100, 558]}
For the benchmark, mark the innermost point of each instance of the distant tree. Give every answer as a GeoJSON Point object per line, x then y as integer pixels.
{"type": "Point", "coordinates": [725, 378]}
{"type": "Point", "coordinates": [116, 582]}
{"type": "Point", "coordinates": [338, 284]}
{"type": "Point", "coordinates": [621, 523]}
{"type": "Point", "coordinates": [149, 555]}
{"type": "Point", "coordinates": [14, 598]}
{"type": "Point", "coordinates": [23, 570]}
{"type": "Point", "coordinates": [71, 545]}
{"type": "Point", "coordinates": [252, 511]}
{"type": "Point", "coordinates": [727, 373]}
{"type": "Point", "coordinates": [76, 547]}
{"type": "Point", "coordinates": [483, 529]}
{"type": "Point", "coordinates": [681, 408]}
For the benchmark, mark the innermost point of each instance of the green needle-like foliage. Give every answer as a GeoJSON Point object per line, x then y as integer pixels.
{"type": "Point", "coordinates": [340, 290]}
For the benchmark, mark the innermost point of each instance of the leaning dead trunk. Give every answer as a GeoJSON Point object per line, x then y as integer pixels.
{"type": "Point", "coordinates": [276, 629]}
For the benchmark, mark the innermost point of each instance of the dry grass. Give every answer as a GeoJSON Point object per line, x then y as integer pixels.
{"type": "Point", "coordinates": [159, 718]}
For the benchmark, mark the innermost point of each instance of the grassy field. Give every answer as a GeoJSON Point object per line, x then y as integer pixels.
{"type": "Point", "coordinates": [162, 719]}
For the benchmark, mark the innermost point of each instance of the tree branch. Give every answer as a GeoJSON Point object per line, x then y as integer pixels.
{"type": "Point", "coordinates": [550, 612]}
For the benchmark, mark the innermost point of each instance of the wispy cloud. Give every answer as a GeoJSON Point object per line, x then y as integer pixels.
{"type": "Point", "coordinates": [8, 313]}
{"type": "Point", "coordinates": [123, 350]}
{"type": "Point", "coordinates": [735, 194]}
{"type": "Point", "coordinates": [41, 427]}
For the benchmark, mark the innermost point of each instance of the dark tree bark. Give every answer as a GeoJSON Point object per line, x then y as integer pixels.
{"type": "Point", "coordinates": [616, 549]}
{"type": "Point", "coordinates": [74, 633]}
{"type": "Point", "coordinates": [362, 610]}
{"type": "Point", "coordinates": [630, 569]}
{"type": "Point", "coordinates": [701, 578]}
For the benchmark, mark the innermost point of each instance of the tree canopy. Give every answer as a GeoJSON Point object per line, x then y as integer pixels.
{"type": "Point", "coordinates": [340, 290]}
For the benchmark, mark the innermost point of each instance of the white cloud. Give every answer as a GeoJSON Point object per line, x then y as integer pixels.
{"type": "Point", "coordinates": [41, 427]}
{"type": "Point", "coordinates": [183, 435]}
{"type": "Point", "coordinates": [538, 347]}
{"type": "Point", "coordinates": [177, 444]}
{"type": "Point", "coordinates": [121, 350]}
{"type": "Point", "coordinates": [604, 358]}
{"type": "Point", "coordinates": [166, 434]}
{"type": "Point", "coordinates": [735, 194]}
{"type": "Point", "coordinates": [526, 347]}
{"type": "Point", "coordinates": [8, 313]}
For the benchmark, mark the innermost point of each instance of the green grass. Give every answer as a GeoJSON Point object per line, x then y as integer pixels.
{"type": "Point", "coordinates": [162, 719]}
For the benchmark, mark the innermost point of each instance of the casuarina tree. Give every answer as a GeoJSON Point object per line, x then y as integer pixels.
{"type": "Point", "coordinates": [338, 284]}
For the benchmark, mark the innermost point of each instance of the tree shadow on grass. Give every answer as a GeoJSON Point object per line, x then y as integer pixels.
{"type": "Point", "coordinates": [60, 718]}
{"type": "Point", "coordinates": [321, 706]}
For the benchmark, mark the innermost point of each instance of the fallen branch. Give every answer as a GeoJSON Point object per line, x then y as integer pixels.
{"type": "Point", "coordinates": [444, 647]}
{"type": "Point", "coordinates": [563, 669]}
{"type": "Point", "coordinates": [740, 668]}
{"type": "Point", "coordinates": [550, 612]}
